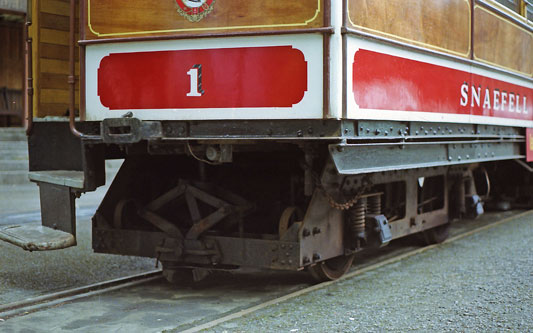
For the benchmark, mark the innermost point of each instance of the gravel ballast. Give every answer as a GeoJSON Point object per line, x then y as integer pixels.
{"type": "Point", "coordinates": [482, 283]}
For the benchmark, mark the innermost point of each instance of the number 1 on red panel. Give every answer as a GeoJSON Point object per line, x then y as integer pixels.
{"type": "Point", "coordinates": [195, 74]}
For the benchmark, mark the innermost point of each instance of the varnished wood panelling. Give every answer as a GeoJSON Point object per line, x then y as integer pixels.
{"type": "Point", "coordinates": [56, 22]}
{"type": "Point", "coordinates": [55, 96]}
{"type": "Point", "coordinates": [55, 51]}
{"type": "Point", "coordinates": [11, 55]}
{"type": "Point", "coordinates": [499, 42]}
{"type": "Point", "coordinates": [443, 25]}
{"type": "Point", "coordinates": [55, 66]}
{"type": "Point", "coordinates": [54, 109]}
{"type": "Point", "coordinates": [57, 7]}
{"type": "Point", "coordinates": [54, 81]}
{"type": "Point", "coordinates": [51, 38]}
{"type": "Point", "coordinates": [114, 18]}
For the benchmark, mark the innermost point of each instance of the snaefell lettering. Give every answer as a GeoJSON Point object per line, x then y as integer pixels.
{"type": "Point", "coordinates": [492, 99]}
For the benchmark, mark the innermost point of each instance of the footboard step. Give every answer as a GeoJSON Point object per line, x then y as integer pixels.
{"type": "Point", "coordinates": [73, 179]}
{"type": "Point", "coordinates": [32, 237]}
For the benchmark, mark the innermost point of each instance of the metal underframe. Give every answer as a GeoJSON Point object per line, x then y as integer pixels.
{"type": "Point", "coordinates": [320, 237]}
{"type": "Point", "coordinates": [230, 251]}
{"type": "Point", "coordinates": [412, 222]}
{"type": "Point", "coordinates": [312, 129]}
{"type": "Point", "coordinates": [375, 152]}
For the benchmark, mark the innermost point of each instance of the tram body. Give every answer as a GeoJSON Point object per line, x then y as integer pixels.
{"type": "Point", "coordinates": [279, 134]}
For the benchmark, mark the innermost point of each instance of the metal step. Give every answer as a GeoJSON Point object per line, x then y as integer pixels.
{"type": "Point", "coordinates": [32, 237]}
{"type": "Point", "coordinates": [73, 179]}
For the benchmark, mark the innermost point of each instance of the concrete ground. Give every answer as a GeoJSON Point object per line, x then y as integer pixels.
{"type": "Point", "coordinates": [26, 274]}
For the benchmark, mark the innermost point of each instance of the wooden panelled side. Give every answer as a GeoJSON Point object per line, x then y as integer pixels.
{"type": "Point", "coordinates": [442, 25]}
{"type": "Point", "coordinates": [51, 51]}
{"type": "Point", "coordinates": [11, 55]}
{"type": "Point", "coordinates": [499, 42]}
{"type": "Point", "coordinates": [116, 18]}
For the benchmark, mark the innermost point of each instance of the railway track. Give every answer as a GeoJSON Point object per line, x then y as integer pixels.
{"type": "Point", "coordinates": [34, 304]}
{"type": "Point", "coordinates": [219, 287]}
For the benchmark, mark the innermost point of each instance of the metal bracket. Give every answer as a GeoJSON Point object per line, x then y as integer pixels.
{"type": "Point", "coordinates": [380, 227]}
{"type": "Point", "coordinates": [352, 159]}
{"type": "Point", "coordinates": [129, 130]}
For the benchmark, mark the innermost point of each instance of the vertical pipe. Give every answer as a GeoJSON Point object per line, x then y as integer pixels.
{"type": "Point", "coordinates": [72, 76]}
{"type": "Point", "coordinates": [72, 70]}
{"type": "Point", "coordinates": [29, 73]}
{"type": "Point", "coordinates": [81, 26]}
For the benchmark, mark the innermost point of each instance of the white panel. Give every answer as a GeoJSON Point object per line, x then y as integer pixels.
{"type": "Point", "coordinates": [310, 107]}
{"type": "Point", "coordinates": [354, 112]}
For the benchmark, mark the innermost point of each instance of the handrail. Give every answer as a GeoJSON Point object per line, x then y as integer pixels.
{"type": "Point", "coordinates": [72, 76]}
{"type": "Point", "coordinates": [29, 76]}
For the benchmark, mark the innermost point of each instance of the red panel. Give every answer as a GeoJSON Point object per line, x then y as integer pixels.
{"type": "Point", "coordinates": [221, 78]}
{"type": "Point", "coordinates": [529, 144]}
{"type": "Point", "coordinates": [386, 82]}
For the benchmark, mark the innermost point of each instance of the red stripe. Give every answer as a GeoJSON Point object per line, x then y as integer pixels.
{"type": "Point", "coordinates": [231, 78]}
{"type": "Point", "coordinates": [386, 82]}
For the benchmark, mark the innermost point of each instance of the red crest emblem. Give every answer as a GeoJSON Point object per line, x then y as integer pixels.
{"type": "Point", "coordinates": [195, 10]}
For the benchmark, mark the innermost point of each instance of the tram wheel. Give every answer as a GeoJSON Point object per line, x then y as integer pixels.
{"type": "Point", "coordinates": [290, 216]}
{"type": "Point", "coordinates": [436, 235]}
{"type": "Point", "coordinates": [331, 269]}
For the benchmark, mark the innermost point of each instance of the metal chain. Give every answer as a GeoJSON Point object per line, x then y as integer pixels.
{"type": "Point", "coordinates": [332, 202]}
{"type": "Point", "coordinates": [344, 206]}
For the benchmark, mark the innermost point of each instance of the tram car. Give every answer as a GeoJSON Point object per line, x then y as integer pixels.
{"type": "Point", "coordinates": [286, 135]}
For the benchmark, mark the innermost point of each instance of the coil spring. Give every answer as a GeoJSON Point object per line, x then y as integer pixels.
{"type": "Point", "coordinates": [374, 205]}
{"type": "Point", "coordinates": [356, 219]}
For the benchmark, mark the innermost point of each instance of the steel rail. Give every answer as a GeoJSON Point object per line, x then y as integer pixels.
{"type": "Point", "coordinates": [34, 304]}
{"type": "Point", "coordinates": [357, 272]}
